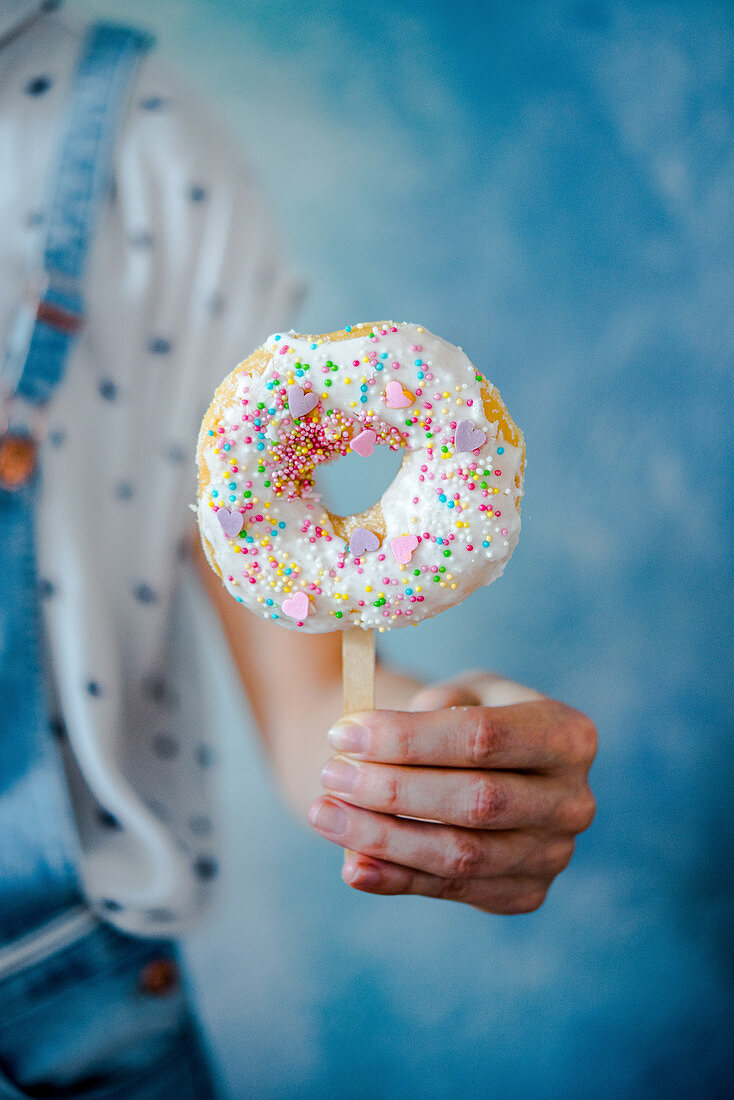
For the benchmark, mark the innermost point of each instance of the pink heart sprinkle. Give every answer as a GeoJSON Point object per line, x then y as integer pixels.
{"type": "Point", "coordinates": [403, 547]}
{"type": "Point", "coordinates": [467, 437]}
{"type": "Point", "coordinates": [396, 397]}
{"type": "Point", "coordinates": [364, 443]}
{"type": "Point", "coordinates": [301, 402]}
{"type": "Point", "coordinates": [230, 522]}
{"type": "Point", "coordinates": [363, 541]}
{"type": "Point", "coordinates": [295, 607]}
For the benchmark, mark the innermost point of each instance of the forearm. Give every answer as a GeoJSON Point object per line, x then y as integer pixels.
{"type": "Point", "coordinates": [294, 687]}
{"type": "Point", "coordinates": [296, 734]}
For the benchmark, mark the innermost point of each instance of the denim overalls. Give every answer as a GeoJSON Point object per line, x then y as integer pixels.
{"type": "Point", "coordinates": [84, 1010]}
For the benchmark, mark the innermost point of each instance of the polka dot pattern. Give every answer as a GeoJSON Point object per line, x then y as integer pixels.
{"type": "Point", "coordinates": [159, 345]}
{"type": "Point", "coordinates": [106, 819]}
{"type": "Point", "coordinates": [46, 588]}
{"type": "Point", "coordinates": [108, 390]}
{"type": "Point", "coordinates": [175, 453]}
{"type": "Point", "coordinates": [143, 593]}
{"type": "Point", "coordinates": [205, 867]}
{"type": "Point", "coordinates": [123, 675]}
{"type": "Point", "coordinates": [38, 86]}
{"type": "Point", "coordinates": [165, 746]}
{"type": "Point", "coordinates": [58, 727]}
{"type": "Point", "coordinates": [124, 490]}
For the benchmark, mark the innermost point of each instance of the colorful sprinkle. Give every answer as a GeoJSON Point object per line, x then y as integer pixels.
{"type": "Point", "coordinates": [283, 557]}
{"type": "Point", "coordinates": [364, 443]}
{"type": "Point", "coordinates": [230, 522]}
{"type": "Point", "coordinates": [301, 402]}
{"type": "Point", "coordinates": [363, 541]}
{"type": "Point", "coordinates": [403, 547]}
{"type": "Point", "coordinates": [397, 397]}
{"type": "Point", "coordinates": [295, 607]}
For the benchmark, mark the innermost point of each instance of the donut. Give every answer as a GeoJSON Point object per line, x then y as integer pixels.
{"type": "Point", "coordinates": [447, 524]}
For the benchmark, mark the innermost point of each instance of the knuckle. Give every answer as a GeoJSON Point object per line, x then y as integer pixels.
{"type": "Point", "coordinates": [434, 697]}
{"type": "Point", "coordinates": [485, 738]}
{"type": "Point", "coordinates": [529, 901]}
{"type": "Point", "coordinates": [379, 844]}
{"type": "Point", "coordinates": [454, 889]}
{"type": "Point", "coordinates": [466, 859]}
{"type": "Point", "coordinates": [390, 790]}
{"type": "Point", "coordinates": [576, 814]}
{"type": "Point", "coordinates": [559, 856]}
{"type": "Point", "coordinates": [581, 737]}
{"type": "Point", "coordinates": [587, 810]}
{"type": "Point", "coordinates": [405, 739]}
{"type": "Point", "coordinates": [487, 803]}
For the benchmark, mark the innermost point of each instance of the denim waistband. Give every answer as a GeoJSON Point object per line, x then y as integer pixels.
{"type": "Point", "coordinates": [89, 1012]}
{"type": "Point", "coordinates": [34, 947]}
{"type": "Point", "coordinates": [38, 874]}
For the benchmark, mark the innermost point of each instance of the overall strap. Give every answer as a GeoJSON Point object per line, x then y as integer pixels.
{"type": "Point", "coordinates": [108, 61]}
{"type": "Point", "coordinates": [38, 853]}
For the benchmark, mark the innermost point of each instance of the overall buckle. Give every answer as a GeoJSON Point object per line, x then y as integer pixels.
{"type": "Point", "coordinates": [19, 445]}
{"type": "Point", "coordinates": [18, 452]}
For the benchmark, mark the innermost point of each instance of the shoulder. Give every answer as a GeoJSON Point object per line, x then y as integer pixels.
{"type": "Point", "coordinates": [168, 131]}
{"type": "Point", "coordinates": [173, 136]}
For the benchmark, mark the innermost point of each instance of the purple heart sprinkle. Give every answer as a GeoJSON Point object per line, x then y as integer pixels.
{"type": "Point", "coordinates": [230, 522]}
{"type": "Point", "coordinates": [467, 437]}
{"type": "Point", "coordinates": [301, 402]}
{"type": "Point", "coordinates": [363, 541]}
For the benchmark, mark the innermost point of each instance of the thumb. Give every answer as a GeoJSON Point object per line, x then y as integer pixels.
{"type": "Point", "coordinates": [443, 695]}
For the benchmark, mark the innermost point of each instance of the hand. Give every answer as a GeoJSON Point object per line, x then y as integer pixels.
{"type": "Point", "coordinates": [476, 797]}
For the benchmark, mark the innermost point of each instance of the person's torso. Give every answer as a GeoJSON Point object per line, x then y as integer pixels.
{"type": "Point", "coordinates": [116, 465]}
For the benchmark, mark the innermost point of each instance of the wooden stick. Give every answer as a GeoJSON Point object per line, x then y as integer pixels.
{"type": "Point", "coordinates": [358, 676]}
{"type": "Point", "coordinates": [358, 670]}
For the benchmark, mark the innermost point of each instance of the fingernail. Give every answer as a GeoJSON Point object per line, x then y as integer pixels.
{"type": "Point", "coordinates": [340, 775]}
{"type": "Point", "coordinates": [348, 736]}
{"type": "Point", "coordinates": [367, 877]}
{"type": "Point", "coordinates": [329, 818]}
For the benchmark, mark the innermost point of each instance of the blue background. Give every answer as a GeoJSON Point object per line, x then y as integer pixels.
{"type": "Point", "coordinates": [550, 185]}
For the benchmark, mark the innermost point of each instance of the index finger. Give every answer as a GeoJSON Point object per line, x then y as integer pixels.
{"type": "Point", "coordinates": [542, 735]}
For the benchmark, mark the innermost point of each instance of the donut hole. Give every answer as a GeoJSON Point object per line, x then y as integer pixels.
{"type": "Point", "coordinates": [352, 484]}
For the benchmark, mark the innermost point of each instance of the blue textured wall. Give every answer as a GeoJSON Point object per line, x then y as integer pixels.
{"type": "Point", "coordinates": [550, 185]}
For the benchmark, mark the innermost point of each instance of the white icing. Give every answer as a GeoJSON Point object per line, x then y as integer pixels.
{"type": "Point", "coordinates": [323, 567]}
